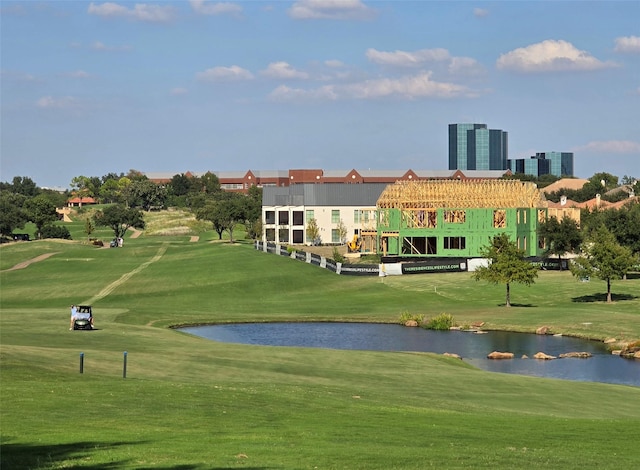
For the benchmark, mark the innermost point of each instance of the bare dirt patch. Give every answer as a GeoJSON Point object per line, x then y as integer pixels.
{"type": "Point", "coordinates": [24, 264]}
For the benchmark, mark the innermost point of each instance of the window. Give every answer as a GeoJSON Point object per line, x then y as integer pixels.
{"type": "Point", "coordinates": [455, 243]}
{"type": "Point", "coordinates": [309, 215]}
{"type": "Point", "coordinates": [298, 218]}
{"type": "Point", "coordinates": [270, 234]}
{"type": "Point", "coordinates": [335, 216]}
{"type": "Point", "coordinates": [298, 236]}
{"type": "Point", "coordinates": [283, 217]}
{"type": "Point", "coordinates": [270, 217]}
{"type": "Point", "coordinates": [356, 216]}
{"type": "Point", "coordinates": [499, 218]}
{"type": "Point", "coordinates": [419, 246]}
{"type": "Point", "coordinates": [454, 217]}
{"type": "Point", "coordinates": [335, 235]}
{"type": "Point", "coordinates": [283, 235]}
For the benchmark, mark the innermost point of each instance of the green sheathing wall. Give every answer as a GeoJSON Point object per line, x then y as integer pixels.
{"type": "Point", "coordinates": [477, 229]}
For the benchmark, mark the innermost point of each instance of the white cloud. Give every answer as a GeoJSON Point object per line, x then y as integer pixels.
{"type": "Point", "coordinates": [410, 87]}
{"type": "Point", "coordinates": [78, 74]}
{"type": "Point", "coordinates": [64, 102]}
{"type": "Point", "coordinates": [285, 93]}
{"type": "Point", "coordinates": [549, 56]}
{"type": "Point", "coordinates": [465, 66]}
{"type": "Point", "coordinates": [203, 7]}
{"type": "Point", "coordinates": [334, 63]}
{"type": "Point", "coordinates": [407, 59]}
{"type": "Point", "coordinates": [100, 46]}
{"type": "Point", "coordinates": [284, 71]}
{"type": "Point", "coordinates": [480, 12]}
{"type": "Point", "coordinates": [331, 10]}
{"type": "Point", "coordinates": [179, 91]}
{"type": "Point", "coordinates": [610, 146]}
{"type": "Point", "coordinates": [420, 58]}
{"type": "Point", "coordinates": [232, 73]}
{"type": "Point", "coordinates": [628, 44]}
{"type": "Point", "coordinates": [139, 12]}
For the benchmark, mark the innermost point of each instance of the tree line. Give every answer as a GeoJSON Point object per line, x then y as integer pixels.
{"type": "Point", "coordinates": [126, 197]}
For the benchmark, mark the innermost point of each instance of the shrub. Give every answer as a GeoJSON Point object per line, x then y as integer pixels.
{"type": "Point", "coordinates": [290, 249]}
{"type": "Point", "coordinates": [55, 231]}
{"type": "Point", "coordinates": [406, 316]}
{"type": "Point", "coordinates": [444, 321]}
{"type": "Point", "coordinates": [337, 256]}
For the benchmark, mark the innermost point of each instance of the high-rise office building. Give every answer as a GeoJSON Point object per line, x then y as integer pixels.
{"type": "Point", "coordinates": [475, 147]}
{"type": "Point", "coordinates": [544, 163]}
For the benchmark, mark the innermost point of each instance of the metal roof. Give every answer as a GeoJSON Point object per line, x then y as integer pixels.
{"type": "Point", "coordinates": [327, 194]}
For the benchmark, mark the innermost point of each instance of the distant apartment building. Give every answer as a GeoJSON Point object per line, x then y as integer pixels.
{"type": "Point", "coordinates": [241, 181]}
{"type": "Point", "coordinates": [544, 163]}
{"type": "Point", "coordinates": [475, 147]}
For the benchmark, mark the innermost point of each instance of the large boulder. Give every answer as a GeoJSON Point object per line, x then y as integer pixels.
{"type": "Point", "coordinates": [576, 354]}
{"type": "Point", "coordinates": [500, 355]}
{"type": "Point", "coordinates": [412, 323]}
{"type": "Point", "coordinates": [457, 356]}
{"type": "Point", "coordinates": [543, 330]}
{"type": "Point", "coordinates": [631, 352]}
{"type": "Point", "coordinates": [543, 356]}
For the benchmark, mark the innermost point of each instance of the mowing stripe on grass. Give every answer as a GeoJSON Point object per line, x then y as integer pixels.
{"type": "Point", "coordinates": [125, 277]}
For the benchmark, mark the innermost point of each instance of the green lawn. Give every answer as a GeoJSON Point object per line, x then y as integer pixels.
{"type": "Point", "coordinates": [190, 403]}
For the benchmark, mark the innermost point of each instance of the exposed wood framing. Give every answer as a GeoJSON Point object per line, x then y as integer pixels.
{"type": "Point", "coordinates": [461, 194]}
{"type": "Point", "coordinates": [420, 218]}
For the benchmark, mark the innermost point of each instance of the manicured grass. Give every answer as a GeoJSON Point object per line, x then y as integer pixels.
{"type": "Point", "coordinates": [192, 403]}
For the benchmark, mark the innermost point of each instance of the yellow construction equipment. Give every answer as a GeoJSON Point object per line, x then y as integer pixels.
{"type": "Point", "coordinates": [354, 244]}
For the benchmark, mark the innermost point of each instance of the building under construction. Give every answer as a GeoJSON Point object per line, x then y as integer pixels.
{"type": "Point", "coordinates": [456, 218]}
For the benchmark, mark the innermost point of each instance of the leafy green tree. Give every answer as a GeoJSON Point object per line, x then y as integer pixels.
{"type": "Point", "coordinates": [119, 218]}
{"type": "Point", "coordinates": [110, 191]}
{"type": "Point", "coordinates": [624, 223]}
{"type": "Point", "coordinates": [146, 194]}
{"type": "Point", "coordinates": [41, 211]}
{"type": "Point", "coordinates": [210, 183]}
{"type": "Point", "coordinates": [180, 184]}
{"type": "Point", "coordinates": [604, 258]}
{"type": "Point", "coordinates": [12, 214]}
{"type": "Point", "coordinates": [58, 199]}
{"type": "Point", "coordinates": [313, 232]}
{"type": "Point", "coordinates": [225, 213]}
{"type": "Point", "coordinates": [253, 215]}
{"type": "Point", "coordinates": [86, 186]}
{"type": "Point", "coordinates": [89, 226]}
{"type": "Point", "coordinates": [211, 212]}
{"type": "Point", "coordinates": [560, 237]}
{"type": "Point", "coordinates": [507, 264]}
{"type": "Point", "coordinates": [342, 232]}
{"type": "Point", "coordinates": [25, 186]}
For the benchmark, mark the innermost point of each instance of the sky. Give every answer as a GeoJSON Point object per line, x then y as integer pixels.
{"type": "Point", "coordinates": [92, 88]}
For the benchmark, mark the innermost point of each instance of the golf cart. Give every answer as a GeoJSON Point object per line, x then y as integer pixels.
{"type": "Point", "coordinates": [84, 318]}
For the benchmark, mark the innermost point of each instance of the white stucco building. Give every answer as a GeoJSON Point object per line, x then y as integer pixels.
{"type": "Point", "coordinates": [287, 211]}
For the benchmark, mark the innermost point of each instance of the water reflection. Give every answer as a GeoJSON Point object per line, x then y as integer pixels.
{"type": "Point", "coordinates": [473, 348]}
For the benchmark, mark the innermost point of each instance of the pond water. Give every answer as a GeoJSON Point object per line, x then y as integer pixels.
{"type": "Point", "coordinates": [473, 348]}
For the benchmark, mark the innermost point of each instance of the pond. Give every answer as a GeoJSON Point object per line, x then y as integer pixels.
{"type": "Point", "coordinates": [473, 348]}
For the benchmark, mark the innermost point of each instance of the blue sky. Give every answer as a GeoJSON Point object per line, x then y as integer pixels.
{"type": "Point", "coordinates": [90, 88]}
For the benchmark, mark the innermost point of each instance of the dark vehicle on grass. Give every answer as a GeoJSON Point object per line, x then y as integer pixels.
{"type": "Point", "coordinates": [84, 318]}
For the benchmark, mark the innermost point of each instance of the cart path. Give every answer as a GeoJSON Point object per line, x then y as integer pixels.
{"type": "Point", "coordinates": [24, 264]}
{"type": "Point", "coordinates": [125, 277]}
{"type": "Point", "coordinates": [136, 233]}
